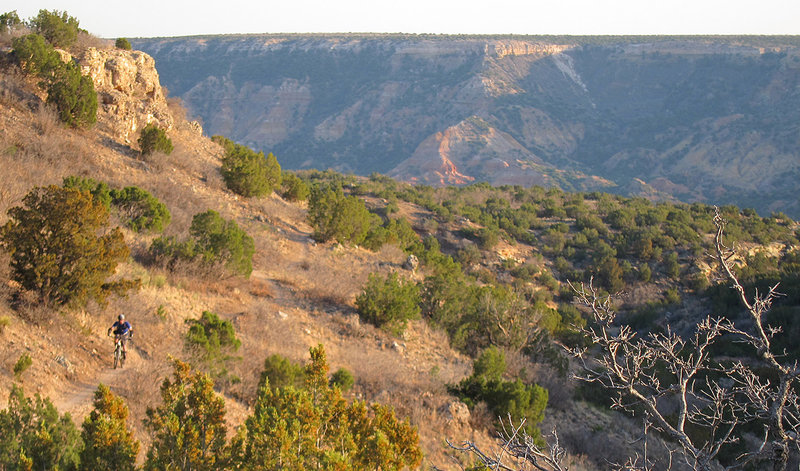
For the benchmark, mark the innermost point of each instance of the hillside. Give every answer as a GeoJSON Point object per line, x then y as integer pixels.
{"type": "Point", "coordinates": [493, 279]}
{"type": "Point", "coordinates": [299, 295]}
{"type": "Point", "coordinates": [710, 119]}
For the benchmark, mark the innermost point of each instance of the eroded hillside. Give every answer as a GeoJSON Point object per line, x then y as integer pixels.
{"type": "Point", "coordinates": [697, 119]}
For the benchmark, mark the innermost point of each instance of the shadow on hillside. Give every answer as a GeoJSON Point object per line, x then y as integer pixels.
{"type": "Point", "coordinates": [123, 149]}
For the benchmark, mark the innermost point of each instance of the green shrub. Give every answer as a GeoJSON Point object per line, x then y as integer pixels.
{"type": "Point", "coordinates": [187, 431]}
{"type": "Point", "coordinates": [671, 296]}
{"type": "Point", "coordinates": [490, 365]}
{"type": "Point", "coordinates": [671, 266]}
{"type": "Point", "coordinates": [34, 436]}
{"type": "Point", "coordinates": [109, 443]}
{"type": "Point", "coordinates": [280, 372]}
{"type": "Point", "coordinates": [73, 96]}
{"type": "Point", "coordinates": [154, 139]}
{"type": "Point", "coordinates": [609, 275]}
{"type": "Point", "coordinates": [9, 21]}
{"type": "Point", "coordinates": [488, 237]}
{"type": "Point", "coordinates": [213, 341]}
{"type": "Point", "coordinates": [99, 190]}
{"type": "Point", "coordinates": [34, 56]}
{"type": "Point", "coordinates": [645, 273]}
{"type": "Point", "coordinates": [141, 210]}
{"type": "Point", "coordinates": [294, 188]}
{"type": "Point", "coordinates": [504, 398]}
{"type": "Point", "coordinates": [343, 379]}
{"type": "Point", "coordinates": [468, 255]}
{"type": "Point", "coordinates": [211, 336]}
{"type": "Point", "coordinates": [23, 363]}
{"type": "Point", "coordinates": [213, 240]}
{"type": "Point", "coordinates": [218, 239]}
{"type": "Point", "coordinates": [122, 43]}
{"type": "Point", "coordinates": [314, 427]}
{"type": "Point", "coordinates": [5, 321]}
{"type": "Point", "coordinates": [71, 93]}
{"type": "Point", "coordinates": [247, 172]}
{"type": "Point", "coordinates": [55, 248]}
{"type": "Point", "coordinates": [388, 303]}
{"type": "Point", "coordinates": [395, 231]}
{"type": "Point", "coordinates": [57, 27]}
{"type": "Point", "coordinates": [335, 216]}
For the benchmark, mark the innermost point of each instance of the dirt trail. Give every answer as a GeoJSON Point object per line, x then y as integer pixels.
{"type": "Point", "coordinates": [77, 397]}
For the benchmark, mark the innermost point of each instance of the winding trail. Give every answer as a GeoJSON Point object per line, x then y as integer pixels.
{"type": "Point", "coordinates": [77, 397]}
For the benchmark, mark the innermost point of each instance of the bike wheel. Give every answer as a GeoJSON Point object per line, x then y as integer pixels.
{"type": "Point", "coordinates": [118, 358]}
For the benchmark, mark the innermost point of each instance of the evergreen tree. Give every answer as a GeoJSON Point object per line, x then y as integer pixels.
{"type": "Point", "coordinates": [34, 56]}
{"type": "Point", "coordinates": [388, 302]}
{"type": "Point", "coordinates": [73, 95]}
{"type": "Point", "coordinates": [294, 188]}
{"type": "Point", "coordinates": [9, 21]}
{"type": "Point", "coordinates": [218, 239]}
{"type": "Point", "coordinates": [57, 27]}
{"type": "Point", "coordinates": [154, 139]}
{"type": "Point", "coordinates": [335, 216]}
{"type": "Point", "coordinates": [55, 250]}
{"type": "Point", "coordinates": [247, 172]}
{"type": "Point", "coordinates": [315, 428]}
{"type": "Point", "coordinates": [99, 190]}
{"type": "Point", "coordinates": [122, 43]}
{"type": "Point", "coordinates": [34, 436]}
{"type": "Point", "coordinates": [188, 429]}
{"type": "Point", "coordinates": [142, 210]}
{"type": "Point", "coordinates": [108, 443]}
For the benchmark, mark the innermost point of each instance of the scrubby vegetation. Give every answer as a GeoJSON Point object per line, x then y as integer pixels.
{"type": "Point", "coordinates": [247, 172]}
{"type": "Point", "coordinates": [68, 91]}
{"type": "Point", "coordinates": [388, 303]}
{"type": "Point", "coordinates": [34, 436]}
{"type": "Point", "coordinates": [315, 427]}
{"type": "Point", "coordinates": [140, 210]}
{"type": "Point", "coordinates": [213, 342]}
{"type": "Point", "coordinates": [55, 250]}
{"type": "Point", "coordinates": [108, 442]}
{"type": "Point", "coordinates": [336, 216]}
{"type": "Point", "coordinates": [57, 27]}
{"type": "Point", "coordinates": [306, 424]}
{"type": "Point", "coordinates": [213, 241]}
{"type": "Point", "coordinates": [507, 400]}
{"type": "Point", "coordinates": [154, 139]}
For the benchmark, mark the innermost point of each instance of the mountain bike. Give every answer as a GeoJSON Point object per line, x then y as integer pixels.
{"type": "Point", "coordinates": [119, 353]}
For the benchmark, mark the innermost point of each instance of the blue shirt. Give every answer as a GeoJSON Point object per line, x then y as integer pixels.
{"type": "Point", "coordinates": [121, 328]}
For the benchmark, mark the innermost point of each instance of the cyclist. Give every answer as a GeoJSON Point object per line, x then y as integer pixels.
{"type": "Point", "coordinates": [122, 329]}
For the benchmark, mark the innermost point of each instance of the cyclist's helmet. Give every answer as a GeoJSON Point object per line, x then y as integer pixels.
{"type": "Point", "coordinates": [121, 317]}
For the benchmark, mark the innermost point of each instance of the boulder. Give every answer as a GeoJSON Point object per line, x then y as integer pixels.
{"type": "Point", "coordinates": [411, 263]}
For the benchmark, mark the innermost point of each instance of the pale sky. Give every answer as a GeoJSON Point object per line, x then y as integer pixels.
{"type": "Point", "coordinates": [148, 18]}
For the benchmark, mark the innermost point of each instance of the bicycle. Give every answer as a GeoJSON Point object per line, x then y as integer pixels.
{"type": "Point", "coordinates": [119, 352]}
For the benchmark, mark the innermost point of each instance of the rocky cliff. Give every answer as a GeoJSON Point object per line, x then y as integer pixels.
{"type": "Point", "coordinates": [128, 89]}
{"type": "Point", "coordinates": [700, 119]}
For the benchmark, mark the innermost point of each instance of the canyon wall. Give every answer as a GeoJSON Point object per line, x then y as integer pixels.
{"type": "Point", "coordinates": [697, 119]}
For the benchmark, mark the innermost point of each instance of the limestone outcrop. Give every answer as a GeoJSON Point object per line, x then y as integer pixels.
{"type": "Point", "coordinates": [128, 91]}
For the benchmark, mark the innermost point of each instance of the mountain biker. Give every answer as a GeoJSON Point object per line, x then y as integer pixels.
{"type": "Point", "coordinates": [122, 330]}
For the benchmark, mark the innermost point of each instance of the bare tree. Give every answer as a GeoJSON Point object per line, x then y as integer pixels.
{"type": "Point", "coordinates": [519, 451]}
{"type": "Point", "coordinates": [675, 384]}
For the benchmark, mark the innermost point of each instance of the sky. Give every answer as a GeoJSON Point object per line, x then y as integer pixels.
{"type": "Point", "coordinates": [151, 18]}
